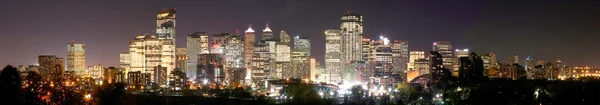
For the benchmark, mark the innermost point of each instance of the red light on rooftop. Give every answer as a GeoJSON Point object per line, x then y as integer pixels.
{"type": "Point", "coordinates": [174, 8]}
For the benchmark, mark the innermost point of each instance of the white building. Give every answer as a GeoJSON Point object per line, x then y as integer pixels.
{"type": "Point", "coordinates": [351, 31]}
{"type": "Point", "coordinates": [76, 59]}
{"type": "Point", "coordinates": [95, 72]}
{"type": "Point", "coordinates": [333, 55]}
{"type": "Point", "coordinates": [197, 43]}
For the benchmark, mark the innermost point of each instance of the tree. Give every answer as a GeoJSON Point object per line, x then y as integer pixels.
{"type": "Point", "coordinates": [10, 85]}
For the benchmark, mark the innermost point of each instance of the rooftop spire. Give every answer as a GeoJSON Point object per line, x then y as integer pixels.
{"type": "Point", "coordinates": [249, 29]}
{"type": "Point", "coordinates": [267, 29]}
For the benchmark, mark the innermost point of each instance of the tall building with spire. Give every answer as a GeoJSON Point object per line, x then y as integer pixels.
{"type": "Point", "coordinates": [197, 43]}
{"type": "Point", "coordinates": [267, 33]}
{"type": "Point", "coordinates": [333, 55]}
{"type": "Point", "coordinates": [249, 40]}
{"type": "Point", "coordinates": [351, 31]}
{"type": "Point", "coordinates": [76, 59]}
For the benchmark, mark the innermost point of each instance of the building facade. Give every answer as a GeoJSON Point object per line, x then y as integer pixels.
{"type": "Point", "coordinates": [351, 31]}
{"type": "Point", "coordinates": [445, 49]}
{"type": "Point", "coordinates": [197, 43]}
{"type": "Point", "coordinates": [302, 43]}
{"type": "Point", "coordinates": [333, 55]}
{"type": "Point", "coordinates": [76, 59]}
{"type": "Point", "coordinates": [249, 40]}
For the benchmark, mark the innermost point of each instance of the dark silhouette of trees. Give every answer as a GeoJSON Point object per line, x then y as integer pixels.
{"type": "Point", "coordinates": [10, 85]}
{"type": "Point", "coordinates": [112, 94]}
{"type": "Point", "coordinates": [303, 94]}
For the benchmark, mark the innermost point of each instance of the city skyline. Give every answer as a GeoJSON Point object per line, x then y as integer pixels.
{"type": "Point", "coordinates": [516, 40]}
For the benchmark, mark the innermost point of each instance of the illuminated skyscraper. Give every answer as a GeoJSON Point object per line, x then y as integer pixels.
{"type": "Point", "coordinates": [299, 63]}
{"type": "Point", "coordinates": [445, 49]}
{"type": "Point", "coordinates": [456, 63]}
{"type": "Point", "coordinates": [249, 40]}
{"type": "Point", "coordinates": [399, 56]}
{"type": "Point", "coordinates": [210, 68]}
{"type": "Point", "coordinates": [167, 56]}
{"type": "Point", "coordinates": [351, 31]}
{"type": "Point", "coordinates": [529, 63]}
{"type": "Point", "coordinates": [124, 60]}
{"type": "Point", "coordinates": [489, 61]}
{"type": "Point", "coordinates": [383, 57]}
{"type": "Point", "coordinates": [233, 55]}
{"type": "Point", "coordinates": [181, 59]}
{"type": "Point", "coordinates": [95, 72]}
{"type": "Point", "coordinates": [437, 69]}
{"type": "Point", "coordinates": [165, 30]}
{"type": "Point", "coordinates": [197, 43]}
{"type": "Point", "coordinates": [260, 63]}
{"type": "Point", "coordinates": [333, 55]}
{"type": "Point", "coordinates": [165, 24]}
{"type": "Point", "coordinates": [51, 67]}
{"type": "Point", "coordinates": [284, 37]}
{"type": "Point", "coordinates": [267, 33]}
{"type": "Point", "coordinates": [415, 55]}
{"type": "Point", "coordinates": [76, 59]}
{"type": "Point", "coordinates": [146, 53]}
{"type": "Point", "coordinates": [282, 59]}
{"type": "Point", "coordinates": [302, 43]}
{"type": "Point", "coordinates": [218, 43]}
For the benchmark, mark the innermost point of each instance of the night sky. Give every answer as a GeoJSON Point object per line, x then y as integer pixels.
{"type": "Point", "coordinates": [545, 30]}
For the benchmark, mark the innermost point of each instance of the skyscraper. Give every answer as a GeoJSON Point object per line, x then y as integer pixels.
{"type": "Point", "coordinates": [302, 43]}
{"type": "Point", "coordinates": [260, 63]}
{"type": "Point", "coordinates": [197, 43]}
{"type": "Point", "coordinates": [489, 61]}
{"type": "Point", "coordinates": [267, 33]}
{"type": "Point", "coordinates": [528, 63]}
{"type": "Point", "coordinates": [76, 59]}
{"type": "Point", "coordinates": [284, 37]}
{"type": "Point", "coordinates": [383, 57]}
{"type": "Point", "coordinates": [51, 67]}
{"type": "Point", "coordinates": [124, 60]}
{"type": "Point", "coordinates": [415, 55]}
{"type": "Point", "coordinates": [146, 53]}
{"type": "Point", "coordinates": [351, 31]}
{"type": "Point", "coordinates": [333, 54]}
{"type": "Point", "coordinates": [181, 59]}
{"type": "Point", "coordinates": [445, 49]}
{"type": "Point", "coordinates": [210, 68]}
{"type": "Point", "coordinates": [456, 63]}
{"type": "Point", "coordinates": [233, 55]}
{"type": "Point", "coordinates": [249, 40]}
{"type": "Point", "coordinates": [283, 60]}
{"type": "Point", "coordinates": [299, 63]}
{"type": "Point", "coordinates": [437, 69]}
{"type": "Point", "coordinates": [218, 43]}
{"type": "Point", "coordinates": [165, 24]}
{"type": "Point", "coordinates": [167, 56]}
{"type": "Point", "coordinates": [399, 56]}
